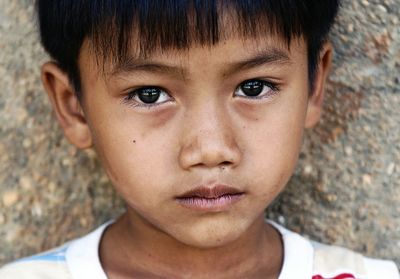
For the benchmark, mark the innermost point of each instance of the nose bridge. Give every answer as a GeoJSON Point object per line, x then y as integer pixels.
{"type": "Point", "coordinates": [209, 139]}
{"type": "Point", "coordinates": [211, 120]}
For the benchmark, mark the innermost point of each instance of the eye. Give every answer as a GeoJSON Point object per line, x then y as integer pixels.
{"type": "Point", "coordinates": [148, 96]}
{"type": "Point", "coordinates": [256, 88]}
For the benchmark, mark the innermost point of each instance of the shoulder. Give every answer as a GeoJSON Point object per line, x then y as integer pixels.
{"type": "Point", "coordinates": [330, 261]}
{"type": "Point", "coordinates": [77, 259]}
{"type": "Point", "coordinates": [308, 259]}
{"type": "Point", "coordinates": [51, 264]}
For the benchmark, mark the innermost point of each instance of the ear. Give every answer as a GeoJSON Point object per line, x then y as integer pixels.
{"type": "Point", "coordinates": [316, 98]}
{"type": "Point", "coordinates": [66, 105]}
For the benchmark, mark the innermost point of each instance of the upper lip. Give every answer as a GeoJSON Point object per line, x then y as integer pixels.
{"type": "Point", "coordinates": [210, 192]}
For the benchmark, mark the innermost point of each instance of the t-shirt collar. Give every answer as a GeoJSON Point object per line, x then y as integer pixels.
{"type": "Point", "coordinates": [298, 255]}
{"type": "Point", "coordinates": [83, 259]}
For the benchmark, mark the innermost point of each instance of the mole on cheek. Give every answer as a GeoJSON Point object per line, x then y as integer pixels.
{"type": "Point", "coordinates": [134, 141]}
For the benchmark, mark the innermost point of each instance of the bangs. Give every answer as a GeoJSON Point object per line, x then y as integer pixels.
{"type": "Point", "coordinates": [119, 29]}
{"type": "Point", "coordinates": [116, 28]}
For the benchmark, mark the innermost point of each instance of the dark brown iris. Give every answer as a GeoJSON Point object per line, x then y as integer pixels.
{"type": "Point", "coordinates": [149, 95]}
{"type": "Point", "coordinates": [252, 88]}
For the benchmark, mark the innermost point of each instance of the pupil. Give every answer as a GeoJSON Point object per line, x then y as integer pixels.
{"type": "Point", "coordinates": [252, 88]}
{"type": "Point", "coordinates": [149, 95]}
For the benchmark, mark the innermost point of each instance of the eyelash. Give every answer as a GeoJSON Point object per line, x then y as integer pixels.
{"type": "Point", "coordinates": [274, 87]}
{"type": "Point", "coordinates": [129, 98]}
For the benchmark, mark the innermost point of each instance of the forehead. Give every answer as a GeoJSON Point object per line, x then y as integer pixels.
{"type": "Point", "coordinates": [228, 52]}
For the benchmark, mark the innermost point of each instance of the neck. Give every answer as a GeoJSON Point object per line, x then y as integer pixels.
{"type": "Point", "coordinates": [140, 248]}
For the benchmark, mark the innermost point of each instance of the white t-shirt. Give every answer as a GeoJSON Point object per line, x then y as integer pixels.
{"type": "Point", "coordinates": [303, 259]}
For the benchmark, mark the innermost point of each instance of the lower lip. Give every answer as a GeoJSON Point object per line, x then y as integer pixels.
{"type": "Point", "coordinates": [211, 204]}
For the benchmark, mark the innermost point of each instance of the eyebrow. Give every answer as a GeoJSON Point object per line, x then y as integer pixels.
{"type": "Point", "coordinates": [270, 56]}
{"type": "Point", "coordinates": [139, 65]}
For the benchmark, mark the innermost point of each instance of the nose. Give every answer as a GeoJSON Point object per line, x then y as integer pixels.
{"type": "Point", "coordinates": [208, 139]}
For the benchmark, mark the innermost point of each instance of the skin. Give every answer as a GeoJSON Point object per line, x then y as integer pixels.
{"type": "Point", "coordinates": [204, 134]}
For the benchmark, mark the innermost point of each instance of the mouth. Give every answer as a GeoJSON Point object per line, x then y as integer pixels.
{"type": "Point", "coordinates": [214, 199]}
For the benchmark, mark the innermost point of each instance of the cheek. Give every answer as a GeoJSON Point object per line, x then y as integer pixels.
{"type": "Point", "coordinates": [137, 159]}
{"type": "Point", "coordinates": [273, 144]}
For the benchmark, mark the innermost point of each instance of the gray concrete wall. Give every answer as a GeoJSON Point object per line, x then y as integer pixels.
{"type": "Point", "coordinates": [345, 190]}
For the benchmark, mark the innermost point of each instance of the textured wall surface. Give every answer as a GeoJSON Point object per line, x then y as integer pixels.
{"type": "Point", "coordinates": [345, 190]}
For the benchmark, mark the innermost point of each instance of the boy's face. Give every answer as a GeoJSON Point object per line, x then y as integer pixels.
{"type": "Point", "coordinates": [229, 115]}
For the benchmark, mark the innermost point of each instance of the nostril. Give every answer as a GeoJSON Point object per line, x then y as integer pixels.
{"type": "Point", "coordinates": [224, 164]}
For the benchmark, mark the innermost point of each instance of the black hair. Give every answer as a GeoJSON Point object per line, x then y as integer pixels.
{"type": "Point", "coordinates": [166, 24]}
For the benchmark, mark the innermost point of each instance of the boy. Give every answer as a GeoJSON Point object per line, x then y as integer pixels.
{"type": "Point", "coordinates": [196, 110]}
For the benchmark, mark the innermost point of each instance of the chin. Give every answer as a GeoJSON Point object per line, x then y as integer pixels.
{"type": "Point", "coordinates": [209, 235]}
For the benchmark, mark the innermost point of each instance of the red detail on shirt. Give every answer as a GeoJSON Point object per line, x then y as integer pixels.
{"type": "Point", "coordinates": [340, 276]}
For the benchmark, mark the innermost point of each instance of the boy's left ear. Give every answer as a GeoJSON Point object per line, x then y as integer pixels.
{"type": "Point", "coordinates": [316, 98]}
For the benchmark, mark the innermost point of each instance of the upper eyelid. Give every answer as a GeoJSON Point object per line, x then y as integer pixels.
{"type": "Point", "coordinates": [271, 81]}
{"type": "Point", "coordinates": [265, 80]}
{"type": "Point", "coordinates": [272, 84]}
{"type": "Point", "coordinates": [129, 98]}
{"type": "Point", "coordinates": [274, 90]}
{"type": "Point", "coordinates": [136, 89]}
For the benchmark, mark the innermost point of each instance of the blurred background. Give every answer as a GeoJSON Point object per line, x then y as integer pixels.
{"type": "Point", "coordinates": [345, 190]}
